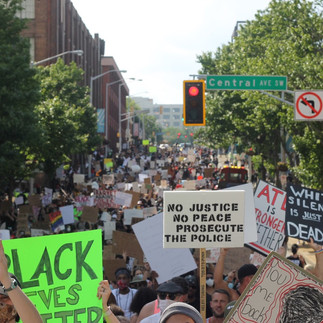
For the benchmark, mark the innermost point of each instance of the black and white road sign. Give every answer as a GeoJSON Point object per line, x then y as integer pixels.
{"type": "Point", "coordinates": [308, 105]}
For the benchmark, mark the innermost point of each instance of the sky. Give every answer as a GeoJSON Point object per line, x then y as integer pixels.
{"type": "Point", "coordinates": [158, 42]}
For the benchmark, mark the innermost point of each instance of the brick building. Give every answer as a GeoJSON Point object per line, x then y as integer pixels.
{"type": "Point", "coordinates": [55, 27]}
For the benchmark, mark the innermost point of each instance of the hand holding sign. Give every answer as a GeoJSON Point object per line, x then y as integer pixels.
{"type": "Point", "coordinates": [18, 301]}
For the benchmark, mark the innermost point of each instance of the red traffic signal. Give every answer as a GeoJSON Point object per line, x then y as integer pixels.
{"type": "Point", "coordinates": [194, 103]}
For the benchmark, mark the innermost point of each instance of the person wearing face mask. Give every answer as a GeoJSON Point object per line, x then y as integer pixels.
{"type": "Point", "coordinates": [167, 293]}
{"type": "Point", "coordinates": [210, 287]}
{"type": "Point", "coordinates": [124, 294]}
{"type": "Point", "coordinates": [14, 303]}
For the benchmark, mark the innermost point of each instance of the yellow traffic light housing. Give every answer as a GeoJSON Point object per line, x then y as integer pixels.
{"type": "Point", "coordinates": [194, 103]}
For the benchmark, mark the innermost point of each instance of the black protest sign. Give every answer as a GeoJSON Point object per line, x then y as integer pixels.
{"type": "Point", "coordinates": [304, 213]}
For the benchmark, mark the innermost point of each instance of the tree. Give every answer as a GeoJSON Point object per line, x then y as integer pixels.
{"type": "Point", "coordinates": [285, 39]}
{"type": "Point", "coordinates": [19, 93]}
{"type": "Point", "coordinates": [68, 121]}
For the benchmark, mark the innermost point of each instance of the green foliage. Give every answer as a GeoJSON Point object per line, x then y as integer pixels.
{"type": "Point", "coordinates": [19, 92]}
{"type": "Point", "coordinates": [68, 121]}
{"type": "Point", "coordinates": [285, 39]}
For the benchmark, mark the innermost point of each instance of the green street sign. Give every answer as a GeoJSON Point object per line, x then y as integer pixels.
{"type": "Point", "coordinates": [246, 82]}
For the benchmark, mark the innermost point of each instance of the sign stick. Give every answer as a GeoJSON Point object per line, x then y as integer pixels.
{"type": "Point", "coordinates": [203, 283]}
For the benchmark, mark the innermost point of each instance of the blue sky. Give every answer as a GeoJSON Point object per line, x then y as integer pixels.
{"type": "Point", "coordinates": [158, 41]}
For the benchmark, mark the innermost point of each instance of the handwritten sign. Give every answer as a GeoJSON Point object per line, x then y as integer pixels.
{"type": "Point", "coordinates": [304, 213]}
{"type": "Point", "coordinates": [203, 219]}
{"type": "Point", "coordinates": [279, 292]}
{"type": "Point", "coordinates": [270, 207]}
{"type": "Point", "coordinates": [60, 275]}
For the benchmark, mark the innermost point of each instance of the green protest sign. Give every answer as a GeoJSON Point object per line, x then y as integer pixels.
{"type": "Point", "coordinates": [60, 274]}
{"type": "Point", "coordinates": [145, 142]}
{"type": "Point", "coordinates": [152, 149]}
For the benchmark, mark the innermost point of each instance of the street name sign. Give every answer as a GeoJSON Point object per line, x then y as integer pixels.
{"type": "Point", "coordinates": [246, 82]}
{"type": "Point", "coordinates": [308, 105]}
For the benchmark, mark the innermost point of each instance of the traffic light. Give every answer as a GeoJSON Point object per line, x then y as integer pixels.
{"type": "Point", "coordinates": [194, 103]}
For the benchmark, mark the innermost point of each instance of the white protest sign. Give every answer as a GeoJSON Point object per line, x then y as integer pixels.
{"type": "Point", "coordinates": [250, 217]}
{"type": "Point", "coordinates": [270, 208]}
{"type": "Point", "coordinates": [67, 214]}
{"type": "Point", "coordinates": [280, 291]}
{"type": "Point", "coordinates": [204, 219]}
{"type": "Point", "coordinates": [123, 199]}
{"type": "Point", "coordinates": [109, 227]}
{"type": "Point", "coordinates": [4, 234]}
{"type": "Point", "coordinates": [78, 178]}
{"type": "Point", "coordinates": [142, 177]}
{"type": "Point", "coordinates": [131, 213]}
{"type": "Point", "coordinates": [19, 200]}
{"type": "Point", "coordinates": [149, 211]}
{"type": "Point", "coordinates": [168, 263]}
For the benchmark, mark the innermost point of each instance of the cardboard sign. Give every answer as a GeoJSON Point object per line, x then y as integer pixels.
{"type": "Point", "coordinates": [204, 219]}
{"type": "Point", "coordinates": [127, 242]}
{"type": "Point", "coordinates": [34, 200]}
{"type": "Point", "coordinates": [90, 214]}
{"type": "Point", "coordinates": [58, 273]}
{"type": "Point", "coordinates": [111, 265]}
{"type": "Point", "coordinates": [270, 207]}
{"type": "Point", "coordinates": [279, 292]}
{"type": "Point", "coordinates": [304, 213]}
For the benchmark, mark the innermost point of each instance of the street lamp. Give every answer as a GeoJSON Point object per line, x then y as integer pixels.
{"type": "Point", "coordinates": [119, 117]}
{"type": "Point", "coordinates": [79, 52]}
{"type": "Point", "coordinates": [93, 78]}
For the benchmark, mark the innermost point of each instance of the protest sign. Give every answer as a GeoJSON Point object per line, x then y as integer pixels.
{"type": "Point", "coordinates": [130, 213]}
{"type": "Point", "coordinates": [127, 242]}
{"type": "Point", "coordinates": [67, 214]}
{"type": "Point", "coordinates": [280, 291]}
{"type": "Point", "coordinates": [250, 217]}
{"type": "Point", "coordinates": [204, 219]}
{"type": "Point", "coordinates": [109, 227]}
{"type": "Point", "coordinates": [270, 207]}
{"type": "Point", "coordinates": [34, 200]}
{"type": "Point", "coordinates": [90, 214]}
{"type": "Point", "coordinates": [78, 178]}
{"type": "Point", "coordinates": [122, 198]}
{"type": "Point", "coordinates": [168, 263]}
{"type": "Point", "coordinates": [60, 275]}
{"type": "Point", "coordinates": [304, 213]}
{"type": "Point", "coordinates": [4, 234]}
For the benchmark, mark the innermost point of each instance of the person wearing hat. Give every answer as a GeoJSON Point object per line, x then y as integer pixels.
{"type": "Point", "coordinates": [123, 294]}
{"type": "Point", "coordinates": [180, 312]}
{"type": "Point", "coordinates": [153, 306]}
{"type": "Point", "coordinates": [14, 303]}
{"type": "Point", "coordinates": [167, 293]}
{"type": "Point", "coordinates": [245, 274]}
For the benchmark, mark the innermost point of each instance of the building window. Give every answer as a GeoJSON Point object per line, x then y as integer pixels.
{"type": "Point", "coordinates": [28, 9]}
{"type": "Point", "coordinates": [166, 110]}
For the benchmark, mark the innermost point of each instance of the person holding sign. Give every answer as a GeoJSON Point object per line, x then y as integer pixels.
{"type": "Point", "coordinates": [318, 250]}
{"type": "Point", "coordinates": [14, 302]}
{"type": "Point", "coordinates": [245, 274]}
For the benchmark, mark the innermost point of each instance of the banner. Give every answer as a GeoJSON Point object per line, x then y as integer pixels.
{"type": "Point", "coordinates": [304, 213]}
{"type": "Point", "coordinates": [279, 292]}
{"type": "Point", "coordinates": [270, 207]}
{"type": "Point", "coordinates": [60, 274]}
{"type": "Point", "coordinates": [192, 221]}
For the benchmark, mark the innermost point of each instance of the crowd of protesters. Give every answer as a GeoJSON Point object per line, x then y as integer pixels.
{"type": "Point", "coordinates": [134, 295]}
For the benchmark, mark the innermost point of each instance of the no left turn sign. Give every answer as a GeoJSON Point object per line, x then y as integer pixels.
{"type": "Point", "coordinates": [308, 105]}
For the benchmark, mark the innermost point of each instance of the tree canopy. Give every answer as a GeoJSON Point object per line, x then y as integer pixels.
{"type": "Point", "coordinates": [285, 39]}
